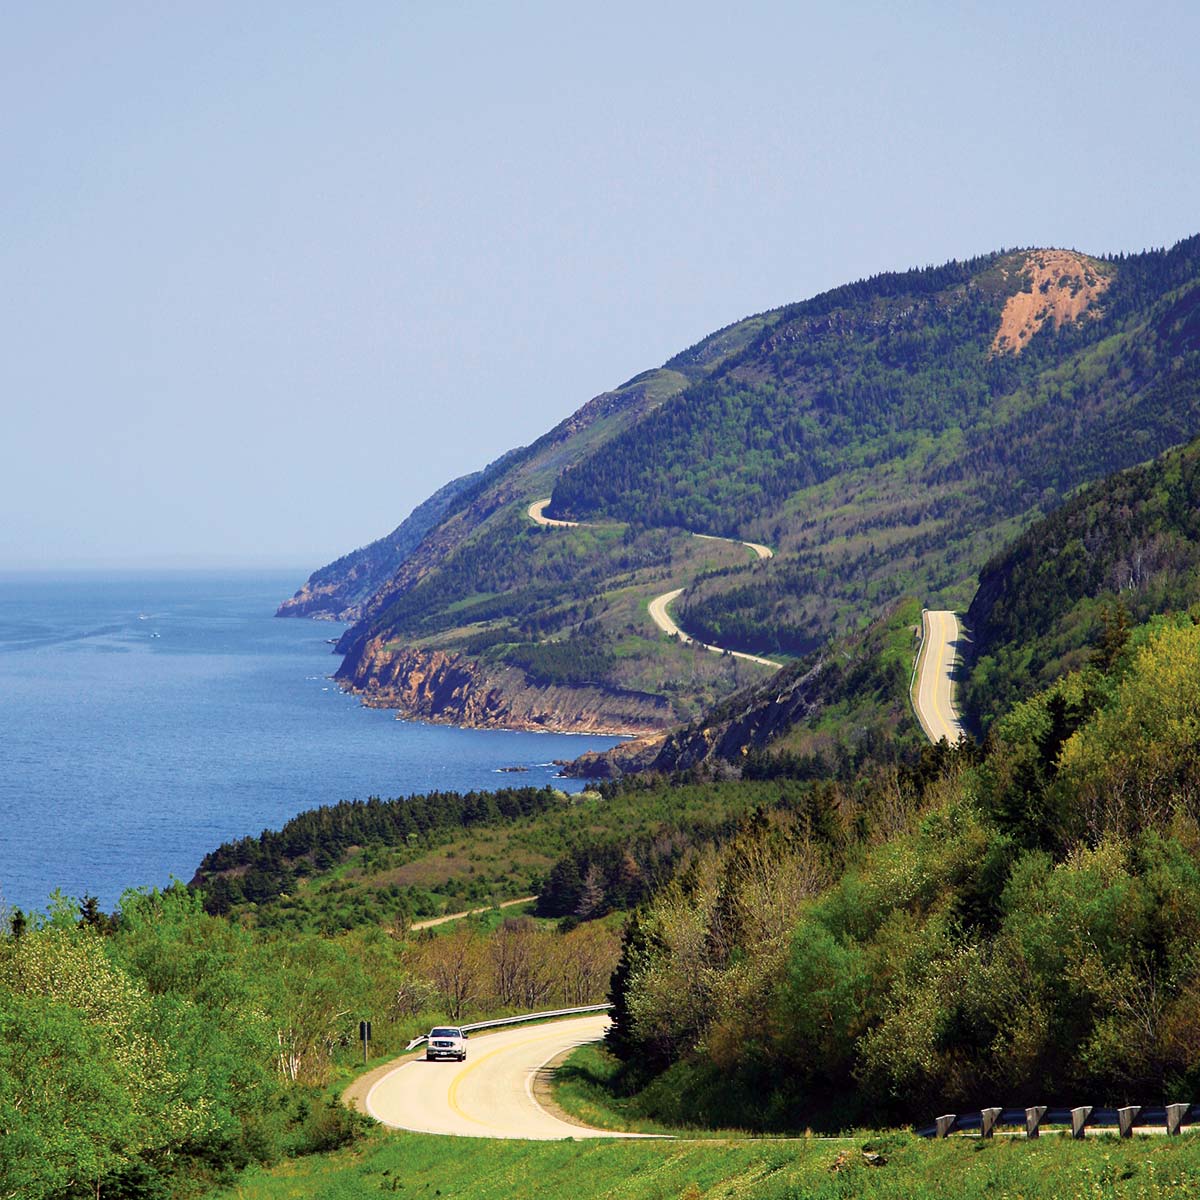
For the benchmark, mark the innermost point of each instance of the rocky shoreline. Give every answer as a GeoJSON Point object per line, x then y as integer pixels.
{"type": "Point", "coordinates": [451, 689]}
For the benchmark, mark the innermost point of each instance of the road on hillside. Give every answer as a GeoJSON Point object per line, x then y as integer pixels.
{"type": "Point", "coordinates": [661, 618]}
{"type": "Point", "coordinates": [492, 1093]}
{"type": "Point", "coordinates": [758, 548]}
{"type": "Point", "coordinates": [537, 514]}
{"type": "Point", "coordinates": [933, 695]}
{"type": "Point", "coordinates": [430, 922]}
{"type": "Point", "coordinates": [658, 606]}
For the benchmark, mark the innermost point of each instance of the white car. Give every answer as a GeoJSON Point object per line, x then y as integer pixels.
{"type": "Point", "coordinates": [446, 1042]}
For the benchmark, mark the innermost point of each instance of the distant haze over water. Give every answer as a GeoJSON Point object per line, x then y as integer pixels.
{"type": "Point", "coordinates": [146, 718]}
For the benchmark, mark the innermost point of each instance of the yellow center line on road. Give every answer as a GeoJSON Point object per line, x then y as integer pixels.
{"type": "Point", "coordinates": [452, 1094]}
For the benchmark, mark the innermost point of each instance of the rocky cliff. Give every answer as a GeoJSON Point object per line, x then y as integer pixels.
{"type": "Point", "coordinates": [746, 722]}
{"type": "Point", "coordinates": [452, 689]}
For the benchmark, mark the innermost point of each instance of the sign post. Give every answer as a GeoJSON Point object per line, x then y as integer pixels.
{"type": "Point", "coordinates": [364, 1032]}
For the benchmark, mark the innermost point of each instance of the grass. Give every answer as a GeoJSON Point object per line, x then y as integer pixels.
{"type": "Point", "coordinates": [719, 1166]}
{"type": "Point", "coordinates": [419, 1165]}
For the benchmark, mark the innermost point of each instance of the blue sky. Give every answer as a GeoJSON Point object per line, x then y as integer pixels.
{"type": "Point", "coordinates": [274, 272]}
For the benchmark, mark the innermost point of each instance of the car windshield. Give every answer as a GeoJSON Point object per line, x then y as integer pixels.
{"type": "Point", "coordinates": [446, 1033]}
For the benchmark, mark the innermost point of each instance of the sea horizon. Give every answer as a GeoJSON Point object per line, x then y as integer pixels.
{"type": "Point", "coordinates": [150, 714]}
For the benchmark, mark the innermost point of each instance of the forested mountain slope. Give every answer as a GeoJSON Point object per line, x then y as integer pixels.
{"type": "Point", "coordinates": [886, 439]}
{"type": "Point", "coordinates": [1119, 552]}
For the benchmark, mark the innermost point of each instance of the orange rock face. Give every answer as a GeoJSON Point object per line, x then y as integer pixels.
{"type": "Point", "coordinates": [433, 685]}
{"type": "Point", "coordinates": [1061, 286]}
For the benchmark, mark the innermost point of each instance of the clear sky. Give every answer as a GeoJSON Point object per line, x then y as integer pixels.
{"type": "Point", "coordinates": [274, 272]}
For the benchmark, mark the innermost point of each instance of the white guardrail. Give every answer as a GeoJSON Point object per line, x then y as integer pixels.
{"type": "Point", "coordinates": [501, 1021]}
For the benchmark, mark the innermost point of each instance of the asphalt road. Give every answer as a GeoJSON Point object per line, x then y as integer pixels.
{"type": "Point", "coordinates": [661, 618]}
{"type": "Point", "coordinates": [537, 514]}
{"type": "Point", "coordinates": [492, 1093]}
{"type": "Point", "coordinates": [758, 548]}
{"type": "Point", "coordinates": [933, 696]}
{"type": "Point", "coordinates": [658, 606]}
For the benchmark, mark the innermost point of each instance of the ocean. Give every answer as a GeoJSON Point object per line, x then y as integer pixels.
{"type": "Point", "coordinates": [146, 718]}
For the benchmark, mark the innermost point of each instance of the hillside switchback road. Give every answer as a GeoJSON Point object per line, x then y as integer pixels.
{"type": "Point", "coordinates": [492, 1093]}
{"type": "Point", "coordinates": [658, 606]}
{"type": "Point", "coordinates": [933, 695]}
{"type": "Point", "coordinates": [537, 514]}
{"type": "Point", "coordinates": [661, 618]}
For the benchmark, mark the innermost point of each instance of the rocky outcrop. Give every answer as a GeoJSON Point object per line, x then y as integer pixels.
{"type": "Point", "coordinates": [1059, 287]}
{"type": "Point", "coordinates": [448, 688]}
{"type": "Point", "coordinates": [748, 721]}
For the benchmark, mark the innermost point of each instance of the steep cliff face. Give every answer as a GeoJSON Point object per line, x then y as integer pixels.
{"type": "Point", "coordinates": [433, 685]}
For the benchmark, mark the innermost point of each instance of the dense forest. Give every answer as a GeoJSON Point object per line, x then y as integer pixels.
{"type": "Point", "coordinates": [1017, 929]}
{"type": "Point", "coordinates": [873, 436]}
{"type": "Point", "coordinates": [262, 868]}
{"type": "Point", "coordinates": [1119, 551]}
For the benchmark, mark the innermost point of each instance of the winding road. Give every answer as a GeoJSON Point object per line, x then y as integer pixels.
{"type": "Point", "coordinates": [933, 692]}
{"type": "Point", "coordinates": [658, 606]}
{"type": "Point", "coordinates": [662, 618]}
{"type": "Point", "coordinates": [492, 1093]}
{"type": "Point", "coordinates": [537, 514]}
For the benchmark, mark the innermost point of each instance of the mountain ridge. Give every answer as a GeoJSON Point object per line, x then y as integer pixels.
{"type": "Point", "coordinates": [884, 437]}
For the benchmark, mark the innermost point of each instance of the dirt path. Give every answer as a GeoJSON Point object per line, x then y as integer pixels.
{"type": "Point", "coordinates": [658, 606]}
{"type": "Point", "coordinates": [467, 912]}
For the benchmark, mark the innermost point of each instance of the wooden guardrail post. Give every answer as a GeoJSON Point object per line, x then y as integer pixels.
{"type": "Point", "coordinates": [1126, 1117]}
{"type": "Point", "coordinates": [945, 1124]}
{"type": "Point", "coordinates": [1175, 1116]}
{"type": "Point", "coordinates": [1033, 1119]}
{"type": "Point", "coordinates": [988, 1119]}
{"type": "Point", "coordinates": [1079, 1118]}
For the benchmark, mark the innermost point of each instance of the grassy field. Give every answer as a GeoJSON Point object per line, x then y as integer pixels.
{"type": "Point", "coordinates": [417, 1165]}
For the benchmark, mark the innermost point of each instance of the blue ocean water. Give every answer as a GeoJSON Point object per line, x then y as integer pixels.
{"type": "Point", "coordinates": [145, 719]}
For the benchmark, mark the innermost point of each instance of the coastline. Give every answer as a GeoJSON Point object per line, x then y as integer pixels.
{"type": "Point", "coordinates": [447, 688]}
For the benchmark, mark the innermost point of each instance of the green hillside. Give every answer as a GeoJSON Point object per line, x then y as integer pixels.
{"type": "Point", "coordinates": [886, 439]}
{"type": "Point", "coordinates": [879, 439]}
{"type": "Point", "coordinates": [1118, 552]}
{"type": "Point", "coordinates": [1016, 927]}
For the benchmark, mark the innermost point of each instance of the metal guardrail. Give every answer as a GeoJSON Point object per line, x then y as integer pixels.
{"type": "Point", "coordinates": [501, 1021]}
{"type": "Point", "coordinates": [1172, 1117]}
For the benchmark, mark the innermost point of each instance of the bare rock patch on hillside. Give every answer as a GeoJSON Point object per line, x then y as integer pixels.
{"type": "Point", "coordinates": [1060, 286]}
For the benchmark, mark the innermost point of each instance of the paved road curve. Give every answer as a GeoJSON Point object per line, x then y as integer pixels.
{"type": "Point", "coordinates": [933, 696]}
{"type": "Point", "coordinates": [661, 618]}
{"type": "Point", "coordinates": [658, 606]}
{"type": "Point", "coordinates": [491, 1094]}
{"type": "Point", "coordinates": [537, 514]}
